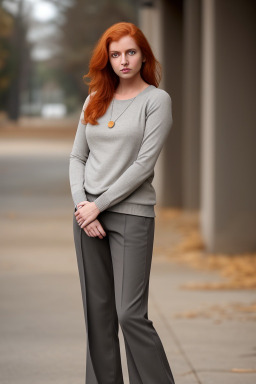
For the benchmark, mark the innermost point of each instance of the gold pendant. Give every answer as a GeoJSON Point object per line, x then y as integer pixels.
{"type": "Point", "coordinates": [111, 124]}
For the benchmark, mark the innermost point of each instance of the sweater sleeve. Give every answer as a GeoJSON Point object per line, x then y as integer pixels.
{"type": "Point", "coordinates": [78, 158]}
{"type": "Point", "coordinates": [158, 124]}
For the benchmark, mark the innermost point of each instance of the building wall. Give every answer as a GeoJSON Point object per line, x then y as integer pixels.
{"type": "Point", "coordinates": [229, 221]}
{"type": "Point", "coordinates": [191, 104]}
{"type": "Point", "coordinates": [172, 68]}
{"type": "Point", "coordinates": [207, 49]}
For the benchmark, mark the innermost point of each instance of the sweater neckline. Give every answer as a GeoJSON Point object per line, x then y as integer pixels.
{"type": "Point", "coordinates": [145, 89]}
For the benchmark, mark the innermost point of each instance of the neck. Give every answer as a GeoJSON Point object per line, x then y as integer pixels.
{"type": "Point", "coordinates": [130, 86]}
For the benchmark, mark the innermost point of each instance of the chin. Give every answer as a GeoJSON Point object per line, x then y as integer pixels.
{"type": "Point", "coordinates": [126, 75]}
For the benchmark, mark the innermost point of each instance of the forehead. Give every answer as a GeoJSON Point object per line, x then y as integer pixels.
{"type": "Point", "coordinates": [123, 43]}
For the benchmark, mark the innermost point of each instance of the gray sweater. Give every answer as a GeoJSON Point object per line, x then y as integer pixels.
{"type": "Point", "coordinates": [114, 167]}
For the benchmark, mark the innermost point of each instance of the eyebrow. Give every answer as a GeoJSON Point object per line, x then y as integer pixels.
{"type": "Point", "coordinates": [130, 49]}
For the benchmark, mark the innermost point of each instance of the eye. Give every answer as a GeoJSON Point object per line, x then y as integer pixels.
{"type": "Point", "coordinates": [132, 52]}
{"type": "Point", "coordinates": [115, 54]}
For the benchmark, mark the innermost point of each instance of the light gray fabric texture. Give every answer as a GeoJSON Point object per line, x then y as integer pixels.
{"type": "Point", "coordinates": [114, 167]}
{"type": "Point", "coordinates": [114, 275]}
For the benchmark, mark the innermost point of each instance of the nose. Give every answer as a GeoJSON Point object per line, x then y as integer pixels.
{"type": "Point", "coordinates": [124, 60]}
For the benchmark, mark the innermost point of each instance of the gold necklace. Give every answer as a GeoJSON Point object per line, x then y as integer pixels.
{"type": "Point", "coordinates": [111, 122]}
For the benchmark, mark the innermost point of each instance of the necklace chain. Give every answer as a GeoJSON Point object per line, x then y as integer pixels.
{"type": "Point", "coordinates": [111, 123]}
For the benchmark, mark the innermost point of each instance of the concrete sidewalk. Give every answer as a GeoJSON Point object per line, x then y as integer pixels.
{"type": "Point", "coordinates": [42, 331]}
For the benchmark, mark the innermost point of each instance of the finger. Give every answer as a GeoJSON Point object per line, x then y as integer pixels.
{"type": "Point", "coordinates": [82, 203]}
{"type": "Point", "coordinates": [93, 233]}
{"type": "Point", "coordinates": [79, 218]}
{"type": "Point", "coordinates": [87, 232]}
{"type": "Point", "coordinates": [78, 213]}
{"type": "Point", "coordinates": [97, 233]}
{"type": "Point", "coordinates": [87, 221]}
{"type": "Point", "coordinates": [101, 230]}
{"type": "Point", "coordinates": [84, 224]}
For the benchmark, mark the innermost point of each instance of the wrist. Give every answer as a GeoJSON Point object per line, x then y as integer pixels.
{"type": "Point", "coordinates": [96, 207]}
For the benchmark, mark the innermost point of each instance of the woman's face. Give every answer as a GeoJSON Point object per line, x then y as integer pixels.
{"type": "Point", "coordinates": [125, 57]}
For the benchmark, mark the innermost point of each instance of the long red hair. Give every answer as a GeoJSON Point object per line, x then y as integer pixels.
{"type": "Point", "coordinates": [104, 81]}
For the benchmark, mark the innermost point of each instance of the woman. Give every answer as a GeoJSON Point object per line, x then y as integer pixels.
{"type": "Point", "coordinates": [123, 126]}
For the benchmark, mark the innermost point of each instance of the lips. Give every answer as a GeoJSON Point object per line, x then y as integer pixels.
{"type": "Point", "coordinates": [125, 70]}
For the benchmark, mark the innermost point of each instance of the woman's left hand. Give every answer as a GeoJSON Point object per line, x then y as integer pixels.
{"type": "Point", "coordinates": [86, 214]}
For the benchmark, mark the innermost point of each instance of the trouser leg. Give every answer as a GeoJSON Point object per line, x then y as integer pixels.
{"type": "Point", "coordinates": [131, 244]}
{"type": "Point", "coordinates": [96, 277]}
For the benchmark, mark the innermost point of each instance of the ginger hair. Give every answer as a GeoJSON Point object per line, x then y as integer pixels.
{"type": "Point", "coordinates": [104, 81]}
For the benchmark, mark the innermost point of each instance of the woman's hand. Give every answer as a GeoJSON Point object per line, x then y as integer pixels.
{"type": "Point", "coordinates": [95, 229]}
{"type": "Point", "coordinates": [86, 213]}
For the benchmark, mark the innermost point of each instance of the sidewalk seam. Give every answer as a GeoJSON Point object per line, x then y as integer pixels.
{"type": "Point", "coordinates": [176, 340]}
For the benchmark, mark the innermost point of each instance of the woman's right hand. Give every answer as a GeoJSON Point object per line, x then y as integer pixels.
{"type": "Point", "coordinates": [95, 229]}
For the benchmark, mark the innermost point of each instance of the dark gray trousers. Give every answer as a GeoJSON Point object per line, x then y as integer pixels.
{"type": "Point", "coordinates": [114, 276]}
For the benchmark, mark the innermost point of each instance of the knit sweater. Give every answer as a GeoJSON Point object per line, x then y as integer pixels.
{"type": "Point", "coordinates": [114, 167]}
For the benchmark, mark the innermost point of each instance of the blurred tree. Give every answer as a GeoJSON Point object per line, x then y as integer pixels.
{"type": "Point", "coordinates": [68, 40]}
{"type": "Point", "coordinates": [6, 27]}
{"type": "Point", "coordinates": [18, 61]}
